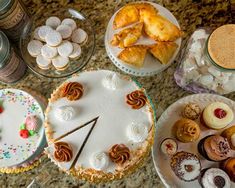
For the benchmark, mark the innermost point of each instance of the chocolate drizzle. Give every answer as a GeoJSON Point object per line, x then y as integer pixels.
{"type": "Point", "coordinates": [224, 147]}
{"type": "Point", "coordinates": [84, 143]}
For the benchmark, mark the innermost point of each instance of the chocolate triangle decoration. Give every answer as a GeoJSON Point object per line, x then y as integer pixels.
{"type": "Point", "coordinates": [77, 128]}
{"type": "Point", "coordinates": [84, 143]}
{"type": "Point", "coordinates": [93, 121]}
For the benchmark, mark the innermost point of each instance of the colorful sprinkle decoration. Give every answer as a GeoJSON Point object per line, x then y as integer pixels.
{"type": "Point", "coordinates": [17, 151]}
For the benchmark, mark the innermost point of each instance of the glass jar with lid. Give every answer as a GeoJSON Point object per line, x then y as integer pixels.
{"type": "Point", "coordinates": [208, 62]}
{"type": "Point", "coordinates": [12, 67]}
{"type": "Point", "coordinates": [13, 18]}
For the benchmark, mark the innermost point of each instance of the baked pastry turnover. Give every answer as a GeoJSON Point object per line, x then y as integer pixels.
{"type": "Point", "coordinates": [126, 16]}
{"type": "Point", "coordinates": [134, 55]}
{"type": "Point", "coordinates": [159, 28]}
{"type": "Point", "coordinates": [127, 37]}
{"type": "Point", "coordinates": [163, 51]}
{"type": "Point", "coordinates": [129, 14]}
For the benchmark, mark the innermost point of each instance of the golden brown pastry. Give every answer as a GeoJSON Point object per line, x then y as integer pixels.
{"type": "Point", "coordinates": [229, 133]}
{"type": "Point", "coordinates": [129, 14]}
{"type": "Point", "coordinates": [147, 6]}
{"type": "Point", "coordinates": [159, 28]}
{"type": "Point", "coordinates": [186, 130]}
{"type": "Point", "coordinates": [127, 37]}
{"type": "Point", "coordinates": [163, 51]}
{"type": "Point", "coordinates": [134, 55]}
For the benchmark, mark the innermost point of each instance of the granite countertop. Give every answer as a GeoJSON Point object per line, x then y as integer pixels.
{"type": "Point", "coordinates": [191, 14]}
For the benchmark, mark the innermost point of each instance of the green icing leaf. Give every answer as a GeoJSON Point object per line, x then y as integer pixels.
{"type": "Point", "coordinates": [32, 133]}
{"type": "Point", "coordinates": [22, 126]}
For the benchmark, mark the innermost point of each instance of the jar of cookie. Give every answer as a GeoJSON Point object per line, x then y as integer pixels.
{"type": "Point", "coordinates": [13, 18]}
{"type": "Point", "coordinates": [12, 67]}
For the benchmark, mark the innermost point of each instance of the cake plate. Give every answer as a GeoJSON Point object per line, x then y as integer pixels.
{"type": "Point", "coordinates": [163, 130]}
{"type": "Point", "coordinates": [151, 65]}
{"type": "Point", "coordinates": [19, 154]}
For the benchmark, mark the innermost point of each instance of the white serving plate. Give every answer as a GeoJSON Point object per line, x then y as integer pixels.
{"type": "Point", "coordinates": [163, 130]}
{"type": "Point", "coordinates": [151, 65]}
{"type": "Point", "coordinates": [14, 150]}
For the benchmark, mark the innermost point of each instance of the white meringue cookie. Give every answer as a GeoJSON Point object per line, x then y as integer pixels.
{"type": "Point", "coordinates": [137, 132]}
{"type": "Point", "coordinates": [214, 72]}
{"type": "Point", "coordinates": [206, 80]}
{"type": "Point", "coordinates": [199, 34]}
{"type": "Point", "coordinates": [65, 113]}
{"type": "Point", "coordinates": [112, 81]}
{"type": "Point", "coordinates": [99, 161]}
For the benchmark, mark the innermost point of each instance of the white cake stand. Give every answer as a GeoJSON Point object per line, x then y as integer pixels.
{"type": "Point", "coordinates": [151, 65]}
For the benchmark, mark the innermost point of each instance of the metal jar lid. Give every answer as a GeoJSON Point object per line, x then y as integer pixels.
{"type": "Point", "coordinates": [5, 5]}
{"type": "Point", "coordinates": [4, 49]}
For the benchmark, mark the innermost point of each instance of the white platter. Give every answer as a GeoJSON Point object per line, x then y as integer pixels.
{"type": "Point", "coordinates": [14, 150]}
{"type": "Point", "coordinates": [151, 65]}
{"type": "Point", "coordinates": [163, 130]}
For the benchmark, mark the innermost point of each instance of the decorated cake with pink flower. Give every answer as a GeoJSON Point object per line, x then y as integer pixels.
{"type": "Point", "coordinates": [99, 126]}
{"type": "Point", "coordinates": [21, 132]}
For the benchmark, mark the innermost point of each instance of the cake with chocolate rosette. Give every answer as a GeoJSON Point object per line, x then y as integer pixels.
{"type": "Point", "coordinates": [109, 126]}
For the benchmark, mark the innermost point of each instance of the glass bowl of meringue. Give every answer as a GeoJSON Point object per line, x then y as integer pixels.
{"type": "Point", "coordinates": [57, 43]}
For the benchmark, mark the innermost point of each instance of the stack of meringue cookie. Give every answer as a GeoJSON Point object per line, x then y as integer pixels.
{"type": "Point", "coordinates": [57, 43]}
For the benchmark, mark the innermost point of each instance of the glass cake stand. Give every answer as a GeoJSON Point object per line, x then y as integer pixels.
{"type": "Point", "coordinates": [74, 65]}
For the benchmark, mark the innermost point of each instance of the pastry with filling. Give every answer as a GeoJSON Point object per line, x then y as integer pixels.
{"type": "Point", "coordinates": [217, 115]}
{"type": "Point", "coordinates": [134, 55]}
{"type": "Point", "coordinates": [163, 51]}
{"type": "Point", "coordinates": [129, 14]}
{"type": "Point", "coordinates": [127, 37]}
{"type": "Point", "coordinates": [159, 28]}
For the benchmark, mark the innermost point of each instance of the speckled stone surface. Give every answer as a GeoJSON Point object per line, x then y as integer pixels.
{"type": "Point", "coordinates": [191, 14]}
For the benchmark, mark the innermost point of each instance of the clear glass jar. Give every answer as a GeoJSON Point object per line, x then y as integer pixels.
{"type": "Point", "coordinates": [220, 48]}
{"type": "Point", "coordinates": [13, 18]}
{"type": "Point", "coordinates": [12, 67]}
{"type": "Point", "coordinates": [197, 72]}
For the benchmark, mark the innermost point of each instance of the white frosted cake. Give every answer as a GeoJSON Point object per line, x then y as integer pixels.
{"type": "Point", "coordinates": [99, 126]}
{"type": "Point", "coordinates": [22, 137]}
